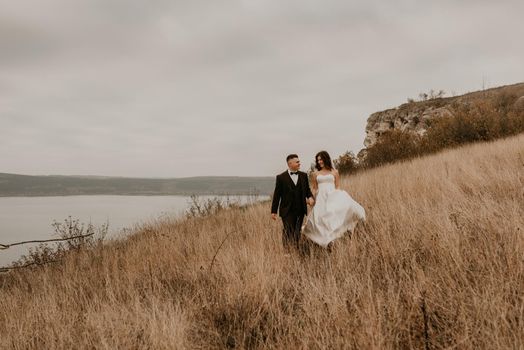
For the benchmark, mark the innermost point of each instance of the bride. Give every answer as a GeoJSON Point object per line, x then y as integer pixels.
{"type": "Point", "coordinates": [334, 212]}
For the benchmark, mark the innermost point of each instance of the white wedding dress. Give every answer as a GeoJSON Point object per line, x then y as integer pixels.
{"type": "Point", "coordinates": [333, 214]}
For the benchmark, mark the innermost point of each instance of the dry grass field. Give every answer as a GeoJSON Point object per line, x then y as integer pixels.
{"type": "Point", "coordinates": [439, 264]}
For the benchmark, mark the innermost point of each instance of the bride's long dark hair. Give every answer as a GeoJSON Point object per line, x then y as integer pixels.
{"type": "Point", "coordinates": [325, 158]}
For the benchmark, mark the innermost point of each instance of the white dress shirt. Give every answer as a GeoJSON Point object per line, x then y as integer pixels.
{"type": "Point", "coordinates": [294, 177]}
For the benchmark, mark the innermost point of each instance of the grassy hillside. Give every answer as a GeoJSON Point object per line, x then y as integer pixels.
{"type": "Point", "coordinates": [55, 185]}
{"type": "Point", "coordinates": [438, 264]}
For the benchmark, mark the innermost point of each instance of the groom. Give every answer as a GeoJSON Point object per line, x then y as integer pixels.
{"type": "Point", "coordinates": [290, 199]}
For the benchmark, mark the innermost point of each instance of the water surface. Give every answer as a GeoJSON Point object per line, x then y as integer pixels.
{"type": "Point", "coordinates": [29, 218]}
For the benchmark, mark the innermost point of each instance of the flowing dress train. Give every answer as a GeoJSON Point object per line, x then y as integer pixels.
{"type": "Point", "coordinates": [333, 214]}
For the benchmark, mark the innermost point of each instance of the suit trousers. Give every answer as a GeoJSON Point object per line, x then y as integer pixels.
{"type": "Point", "coordinates": [291, 232]}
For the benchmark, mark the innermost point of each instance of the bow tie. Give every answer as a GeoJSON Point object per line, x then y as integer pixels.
{"type": "Point", "coordinates": [293, 172]}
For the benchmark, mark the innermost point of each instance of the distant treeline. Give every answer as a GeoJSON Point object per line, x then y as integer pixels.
{"type": "Point", "coordinates": [55, 185]}
{"type": "Point", "coordinates": [478, 120]}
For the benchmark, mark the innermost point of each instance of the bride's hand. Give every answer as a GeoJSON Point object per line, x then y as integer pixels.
{"type": "Point", "coordinates": [311, 201]}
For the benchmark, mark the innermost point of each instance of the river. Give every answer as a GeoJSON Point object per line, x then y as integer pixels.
{"type": "Point", "coordinates": [30, 218]}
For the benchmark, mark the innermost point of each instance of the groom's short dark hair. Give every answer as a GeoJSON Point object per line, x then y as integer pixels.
{"type": "Point", "coordinates": [291, 156]}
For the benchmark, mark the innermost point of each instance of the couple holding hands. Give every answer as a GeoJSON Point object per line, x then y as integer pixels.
{"type": "Point", "coordinates": [333, 211]}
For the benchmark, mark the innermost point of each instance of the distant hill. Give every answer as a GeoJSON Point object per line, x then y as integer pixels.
{"type": "Point", "coordinates": [58, 185]}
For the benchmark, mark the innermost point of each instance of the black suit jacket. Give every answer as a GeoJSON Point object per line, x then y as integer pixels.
{"type": "Point", "coordinates": [284, 195]}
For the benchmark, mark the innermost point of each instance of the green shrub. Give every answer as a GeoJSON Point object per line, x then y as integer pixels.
{"type": "Point", "coordinates": [392, 145]}
{"type": "Point", "coordinates": [483, 120]}
{"type": "Point", "coordinates": [76, 236]}
{"type": "Point", "coordinates": [347, 163]}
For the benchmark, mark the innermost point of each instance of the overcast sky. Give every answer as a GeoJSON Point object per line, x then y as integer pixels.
{"type": "Point", "coordinates": [190, 88]}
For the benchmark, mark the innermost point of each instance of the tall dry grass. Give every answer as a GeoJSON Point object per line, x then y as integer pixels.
{"type": "Point", "coordinates": [438, 264]}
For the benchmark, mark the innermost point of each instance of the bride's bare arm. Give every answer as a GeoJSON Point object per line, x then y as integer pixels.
{"type": "Point", "coordinates": [314, 184]}
{"type": "Point", "coordinates": [337, 179]}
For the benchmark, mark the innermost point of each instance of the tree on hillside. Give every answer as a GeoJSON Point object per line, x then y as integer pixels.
{"type": "Point", "coordinates": [346, 163]}
{"type": "Point", "coordinates": [392, 146]}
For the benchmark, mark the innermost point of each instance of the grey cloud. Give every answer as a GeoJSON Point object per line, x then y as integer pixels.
{"type": "Point", "coordinates": [180, 88]}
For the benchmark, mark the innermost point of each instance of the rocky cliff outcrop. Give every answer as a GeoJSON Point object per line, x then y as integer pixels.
{"type": "Point", "coordinates": [416, 116]}
{"type": "Point", "coordinates": [404, 119]}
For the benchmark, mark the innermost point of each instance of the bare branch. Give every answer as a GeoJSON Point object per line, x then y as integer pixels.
{"type": "Point", "coordinates": [216, 252]}
{"type": "Point", "coordinates": [5, 246]}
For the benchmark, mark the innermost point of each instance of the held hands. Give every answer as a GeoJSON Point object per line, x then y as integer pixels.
{"type": "Point", "coordinates": [310, 201]}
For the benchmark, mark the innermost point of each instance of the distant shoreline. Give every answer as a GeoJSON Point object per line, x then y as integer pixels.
{"type": "Point", "coordinates": [14, 185]}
